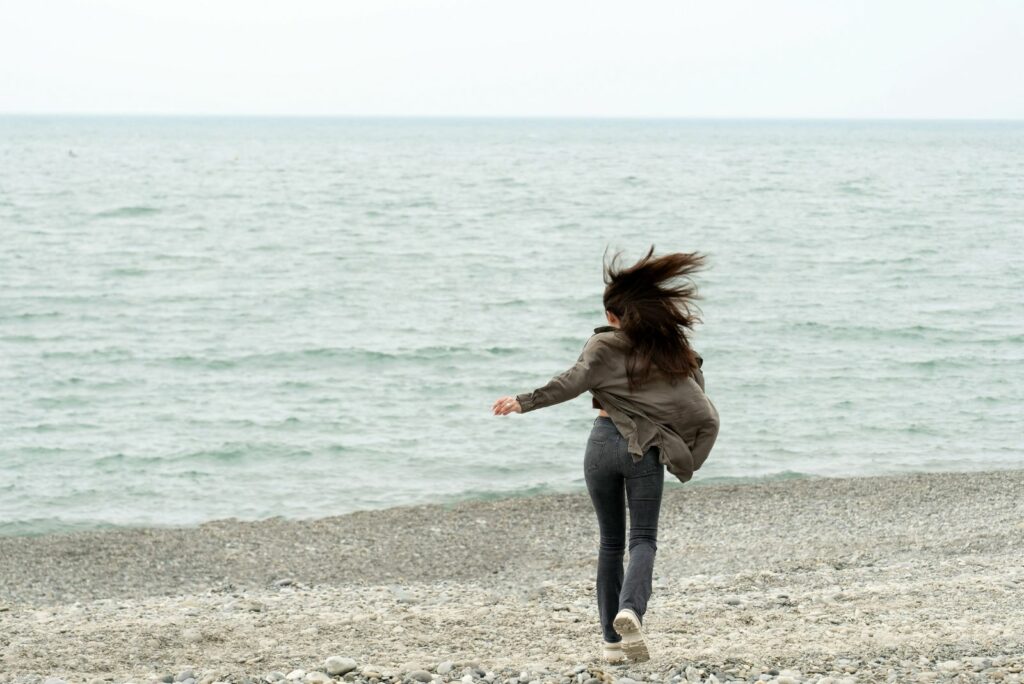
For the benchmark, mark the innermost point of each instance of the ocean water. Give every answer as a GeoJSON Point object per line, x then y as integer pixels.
{"type": "Point", "coordinates": [208, 318]}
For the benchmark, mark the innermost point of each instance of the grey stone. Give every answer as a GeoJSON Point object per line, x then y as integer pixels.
{"type": "Point", "coordinates": [445, 667]}
{"type": "Point", "coordinates": [421, 676]}
{"type": "Point", "coordinates": [274, 676]}
{"type": "Point", "coordinates": [337, 665]}
{"type": "Point", "coordinates": [732, 601]}
{"type": "Point", "coordinates": [191, 635]}
{"type": "Point", "coordinates": [317, 677]}
{"type": "Point", "coordinates": [249, 605]}
{"type": "Point", "coordinates": [187, 673]}
{"type": "Point", "coordinates": [401, 595]}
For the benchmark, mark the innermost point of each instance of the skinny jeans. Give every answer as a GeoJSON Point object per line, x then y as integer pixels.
{"type": "Point", "coordinates": [616, 482]}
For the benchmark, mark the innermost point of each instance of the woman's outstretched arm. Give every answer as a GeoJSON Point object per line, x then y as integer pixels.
{"type": "Point", "coordinates": [567, 385]}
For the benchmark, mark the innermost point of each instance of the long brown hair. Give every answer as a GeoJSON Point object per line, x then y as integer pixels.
{"type": "Point", "coordinates": [654, 312]}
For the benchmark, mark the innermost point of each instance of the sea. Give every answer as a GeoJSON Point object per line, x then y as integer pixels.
{"type": "Point", "coordinates": [206, 318]}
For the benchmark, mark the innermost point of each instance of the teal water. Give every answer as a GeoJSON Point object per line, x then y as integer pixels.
{"type": "Point", "coordinates": [204, 318]}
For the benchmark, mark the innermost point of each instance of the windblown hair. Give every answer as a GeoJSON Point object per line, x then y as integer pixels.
{"type": "Point", "coordinates": [654, 301]}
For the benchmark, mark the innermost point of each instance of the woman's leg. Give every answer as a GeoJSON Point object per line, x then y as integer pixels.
{"type": "Point", "coordinates": [604, 482]}
{"type": "Point", "coordinates": [644, 486]}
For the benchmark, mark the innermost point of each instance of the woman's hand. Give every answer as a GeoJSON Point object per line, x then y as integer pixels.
{"type": "Point", "coordinates": [505, 406]}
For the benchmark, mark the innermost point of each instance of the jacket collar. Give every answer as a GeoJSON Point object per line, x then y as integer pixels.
{"type": "Point", "coordinates": [604, 328]}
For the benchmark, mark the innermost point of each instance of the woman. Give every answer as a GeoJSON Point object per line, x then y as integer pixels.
{"type": "Point", "coordinates": [647, 382]}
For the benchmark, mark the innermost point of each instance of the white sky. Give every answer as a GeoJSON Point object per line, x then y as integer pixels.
{"type": "Point", "coordinates": [671, 58]}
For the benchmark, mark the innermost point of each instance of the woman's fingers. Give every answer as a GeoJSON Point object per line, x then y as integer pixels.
{"type": "Point", "coordinates": [503, 406]}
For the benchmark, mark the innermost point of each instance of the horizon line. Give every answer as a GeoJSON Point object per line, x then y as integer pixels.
{"type": "Point", "coordinates": [507, 117]}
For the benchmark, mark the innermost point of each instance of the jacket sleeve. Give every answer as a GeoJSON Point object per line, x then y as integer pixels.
{"type": "Point", "coordinates": [569, 384]}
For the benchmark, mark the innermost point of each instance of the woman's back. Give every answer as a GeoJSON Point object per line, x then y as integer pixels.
{"type": "Point", "coordinates": [661, 398]}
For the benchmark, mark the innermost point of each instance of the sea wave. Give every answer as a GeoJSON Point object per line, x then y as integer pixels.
{"type": "Point", "coordinates": [127, 212]}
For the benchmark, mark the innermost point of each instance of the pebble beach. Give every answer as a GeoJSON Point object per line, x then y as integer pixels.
{"type": "Point", "coordinates": [909, 578]}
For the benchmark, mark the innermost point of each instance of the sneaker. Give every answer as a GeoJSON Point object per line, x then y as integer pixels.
{"type": "Point", "coordinates": [613, 652]}
{"type": "Point", "coordinates": [627, 624]}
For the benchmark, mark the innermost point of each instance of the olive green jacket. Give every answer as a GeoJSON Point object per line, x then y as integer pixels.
{"type": "Point", "coordinates": [677, 417]}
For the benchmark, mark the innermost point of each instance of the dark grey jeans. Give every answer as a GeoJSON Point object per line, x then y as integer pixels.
{"type": "Point", "coordinates": [615, 481]}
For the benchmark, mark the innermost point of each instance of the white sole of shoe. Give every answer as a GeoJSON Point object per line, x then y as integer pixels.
{"type": "Point", "coordinates": [633, 645]}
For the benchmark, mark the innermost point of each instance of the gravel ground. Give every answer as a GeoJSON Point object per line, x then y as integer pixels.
{"type": "Point", "coordinates": [904, 578]}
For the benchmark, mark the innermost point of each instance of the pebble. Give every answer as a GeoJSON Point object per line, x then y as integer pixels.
{"type": "Point", "coordinates": [401, 595]}
{"type": "Point", "coordinates": [421, 676]}
{"type": "Point", "coordinates": [978, 664]}
{"type": "Point", "coordinates": [732, 601]}
{"type": "Point", "coordinates": [191, 635]}
{"type": "Point", "coordinates": [187, 673]}
{"type": "Point", "coordinates": [295, 675]}
{"type": "Point", "coordinates": [317, 677]}
{"type": "Point", "coordinates": [445, 667]}
{"type": "Point", "coordinates": [337, 665]}
{"type": "Point", "coordinates": [274, 676]}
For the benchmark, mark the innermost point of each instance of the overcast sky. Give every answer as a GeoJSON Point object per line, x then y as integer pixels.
{"type": "Point", "coordinates": [661, 58]}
